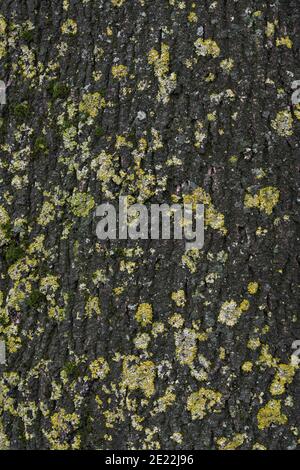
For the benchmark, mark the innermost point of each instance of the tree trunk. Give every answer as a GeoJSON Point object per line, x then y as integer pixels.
{"type": "Point", "coordinates": [138, 344]}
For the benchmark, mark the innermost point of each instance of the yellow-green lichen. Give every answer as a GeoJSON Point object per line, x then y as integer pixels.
{"type": "Point", "coordinates": [227, 64]}
{"type": "Point", "coordinates": [252, 288]}
{"type": "Point", "coordinates": [297, 111]}
{"type": "Point", "coordinates": [144, 314]}
{"type": "Point", "coordinates": [62, 435]}
{"type": "Point", "coordinates": [202, 402]}
{"type": "Point", "coordinates": [69, 27]}
{"type": "Point", "coordinates": [247, 366]}
{"type": "Point", "coordinates": [69, 138]}
{"type": "Point", "coordinates": [266, 359]}
{"type": "Point", "coordinates": [283, 123]}
{"type": "Point", "coordinates": [47, 214]}
{"type": "Point", "coordinates": [265, 200]}
{"type": "Point", "coordinates": [176, 320]}
{"type": "Point", "coordinates": [190, 258]}
{"type": "Point", "coordinates": [179, 298]}
{"type": "Point", "coordinates": [141, 341]}
{"type": "Point", "coordinates": [258, 446]}
{"type": "Point", "coordinates": [4, 220]}
{"type": "Point", "coordinates": [3, 50]}
{"type": "Point", "coordinates": [284, 41]}
{"type": "Point", "coordinates": [57, 313]}
{"type": "Point", "coordinates": [177, 437]}
{"type": "Point", "coordinates": [200, 134]}
{"type": "Point", "coordinates": [192, 17]}
{"type": "Point", "coordinates": [284, 376]}
{"type": "Point", "coordinates": [158, 328]}
{"type": "Point", "coordinates": [119, 71]}
{"type": "Point", "coordinates": [271, 414]}
{"type": "Point", "coordinates": [225, 443]}
{"type": "Point", "coordinates": [91, 104]}
{"type": "Point", "coordinates": [207, 47]}
{"type": "Point", "coordinates": [27, 63]}
{"type": "Point", "coordinates": [81, 203]}
{"type": "Point", "coordinates": [117, 3]}
{"type": "Point", "coordinates": [3, 25]}
{"type": "Point", "coordinates": [139, 375]}
{"type": "Point", "coordinates": [186, 345]}
{"type": "Point", "coordinates": [92, 307]}
{"type": "Point", "coordinates": [270, 29]}
{"type": "Point", "coordinates": [49, 285]}
{"type": "Point", "coordinates": [212, 217]}
{"type": "Point", "coordinates": [160, 62]}
{"type": "Point", "coordinates": [162, 403]}
{"type": "Point", "coordinates": [231, 312]}
{"type": "Point", "coordinates": [99, 368]}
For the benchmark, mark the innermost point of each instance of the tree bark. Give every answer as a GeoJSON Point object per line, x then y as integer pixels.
{"type": "Point", "coordinates": [123, 344]}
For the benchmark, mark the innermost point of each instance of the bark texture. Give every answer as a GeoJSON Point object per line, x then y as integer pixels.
{"type": "Point", "coordinates": [137, 344]}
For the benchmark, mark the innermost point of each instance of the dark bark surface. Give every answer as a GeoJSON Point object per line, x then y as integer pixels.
{"type": "Point", "coordinates": [137, 344]}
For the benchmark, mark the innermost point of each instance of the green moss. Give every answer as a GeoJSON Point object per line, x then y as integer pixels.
{"type": "Point", "coordinates": [40, 145]}
{"type": "Point", "coordinates": [27, 35]}
{"type": "Point", "coordinates": [99, 132]}
{"type": "Point", "coordinates": [35, 298]}
{"type": "Point", "coordinates": [59, 90]}
{"type": "Point", "coordinates": [5, 228]}
{"type": "Point", "coordinates": [13, 253]}
{"type": "Point", "coordinates": [21, 111]}
{"type": "Point", "coordinates": [72, 369]}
